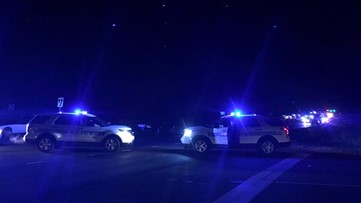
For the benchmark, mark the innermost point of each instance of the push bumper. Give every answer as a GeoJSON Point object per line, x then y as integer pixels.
{"type": "Point", "coordinates": [30, 141]}
{"type": "Point", "coordinates": [284, 144]}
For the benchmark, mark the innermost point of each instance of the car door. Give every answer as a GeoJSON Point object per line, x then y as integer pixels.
{"type": "Point", "coordinates": [92, 129]}
{"type": "Point", "coordinates": [253, 130]}
{"type": "Point", "coordinates": [220, 131]}
{"type": "Point", "coordinates": [67, 127]}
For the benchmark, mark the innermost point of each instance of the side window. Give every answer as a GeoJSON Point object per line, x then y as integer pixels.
{"type": "Point", "coordinates": [40, 119]}
{"type": "Point", "coordinates": [250, 122]}
{"type": "Point", "coordinates": [224, 123]}
{"type": "Point", "coordinates": [90, 122]}
{"type": "Point", "coordinates": [274, 122]}
{"type": "Point", "coordinates": [67, 120]}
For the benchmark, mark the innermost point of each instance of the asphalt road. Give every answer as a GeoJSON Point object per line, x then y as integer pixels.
{"type": "Point", "coordinates": [163, 172]}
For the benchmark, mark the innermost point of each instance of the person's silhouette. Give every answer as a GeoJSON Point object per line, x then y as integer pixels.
{"type": "Point", "coordinates": [234, 132]}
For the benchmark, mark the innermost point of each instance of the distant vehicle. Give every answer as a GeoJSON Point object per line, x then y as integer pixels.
{"type": "Point", "coordinates": [264, 133]}
{"type": "Point", "coordinates": [56, 130]}
{"type": "Point", "coordinates": [317, 120]}
{"type": "Point", "coordinates": [6, 131]}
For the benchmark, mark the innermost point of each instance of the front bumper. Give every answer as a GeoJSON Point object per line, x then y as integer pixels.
{"type": "Point", "coordinates": [185, 140]}
{"type": "Point", "coordinates": [30, 141]}
{"type": "Point", "coordinates": [127, 138]}
{"type": "Point", "coordinates": [284, 144]}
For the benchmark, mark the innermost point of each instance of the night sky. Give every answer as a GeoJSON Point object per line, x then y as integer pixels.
{"type": "Point", "coordinates": [164, 59]}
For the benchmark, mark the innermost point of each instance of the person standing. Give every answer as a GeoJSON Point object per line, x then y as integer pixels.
{"type": "Point", "coordinates": [234, 132]}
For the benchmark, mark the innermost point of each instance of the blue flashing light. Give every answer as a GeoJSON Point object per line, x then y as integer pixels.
{"type": "Point", "coordinates": [77, 111]}
{"type": "Point", "coordinates": [236, 113]}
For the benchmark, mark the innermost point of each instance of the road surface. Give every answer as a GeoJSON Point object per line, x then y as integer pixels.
{"type": "Point", "coordinates": [163, 172]}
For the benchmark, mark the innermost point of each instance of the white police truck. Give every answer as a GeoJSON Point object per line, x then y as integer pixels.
{"type": "Point", "coordinates": [75, 129]}
{"type": "Point", "coordinates": [263, 133]}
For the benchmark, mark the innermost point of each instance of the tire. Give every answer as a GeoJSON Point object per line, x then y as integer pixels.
{"type": "Point", "coordinates": [46, 144]}
{"type": "Point", "coordinates": [201, 145]}
{"type": "Point", "coordinates": [111, 144]}
{"type": "Point", "coordinates": [5, 134]}
{"type": "Point", "coordinates": [267, 146]}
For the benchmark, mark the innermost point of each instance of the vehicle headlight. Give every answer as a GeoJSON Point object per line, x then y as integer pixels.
{"type": "Point", "coordinates": [187, 133]}
{"type": "Point", "coordinates": [125, 130]}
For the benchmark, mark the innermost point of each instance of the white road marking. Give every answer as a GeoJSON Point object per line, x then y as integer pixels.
{"type": "Point", "coordinates": [317, 184]}
{"type": "Point", "coordinates": [250, 188]}
{"type": "Point", "coordinates": [35, 162]}
{"type": "Point", "coordinates": [90, 155]}
{"type": "Point", "coordinates": [154, 146]}
{"type": "Point", "coordinates": [126, 150]}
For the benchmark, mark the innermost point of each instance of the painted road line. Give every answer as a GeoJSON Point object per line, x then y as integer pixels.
{"type": "Point", "coordinates": [250, 188]}
{"type": "Point", "coordinates": [126, 150]}
{"type": "Point", "coordinates": [318, 184]}
{"type": "Point", "coordinates": [34, 162]}
{"type": "Point", "coordinates": [154, 146]}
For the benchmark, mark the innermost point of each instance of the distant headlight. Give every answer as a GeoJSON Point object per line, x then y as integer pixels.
{"type": "Point", "coordinates": [187, 133]}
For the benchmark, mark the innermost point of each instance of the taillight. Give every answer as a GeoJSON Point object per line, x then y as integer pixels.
{"type": "Point", "coordinates": [285, 129]}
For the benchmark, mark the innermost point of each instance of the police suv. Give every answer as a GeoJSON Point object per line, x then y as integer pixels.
{"type": "Point", "coordinates": [75, 129]}
{"type": "Point", "coordinates": [264, 133]}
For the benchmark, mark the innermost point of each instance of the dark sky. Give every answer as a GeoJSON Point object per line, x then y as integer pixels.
{"type": "Point", "coordinates": [160, 58]}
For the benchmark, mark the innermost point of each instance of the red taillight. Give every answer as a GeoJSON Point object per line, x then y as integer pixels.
{"type": "Point", "coordinates": [286, 130]}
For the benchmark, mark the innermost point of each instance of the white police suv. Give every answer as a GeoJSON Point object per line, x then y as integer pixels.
{"type": "Point", "coordinates": [264, 133]}
{"type": "Point", "coordinates": [75, 129]}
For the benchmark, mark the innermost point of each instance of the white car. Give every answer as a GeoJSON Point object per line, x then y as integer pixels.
{"type": "Point", "coordinates": [264, 133]}
{"type": "Point", "coordinates": [6, 131]}
{"type": "Point", "coordinates": [71, 129]}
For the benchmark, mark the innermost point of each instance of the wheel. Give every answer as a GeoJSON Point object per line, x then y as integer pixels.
{"type": "Point", "coordinates": [267, 146]}
{"type": "Point", "coordinates": [5, 134]}
{"type": "Point", "coordinates": [111, 144]}
{"type": "Point", "coordinates": [45, 144]}
{"type": "Point", "coordinates": [201, 145]}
